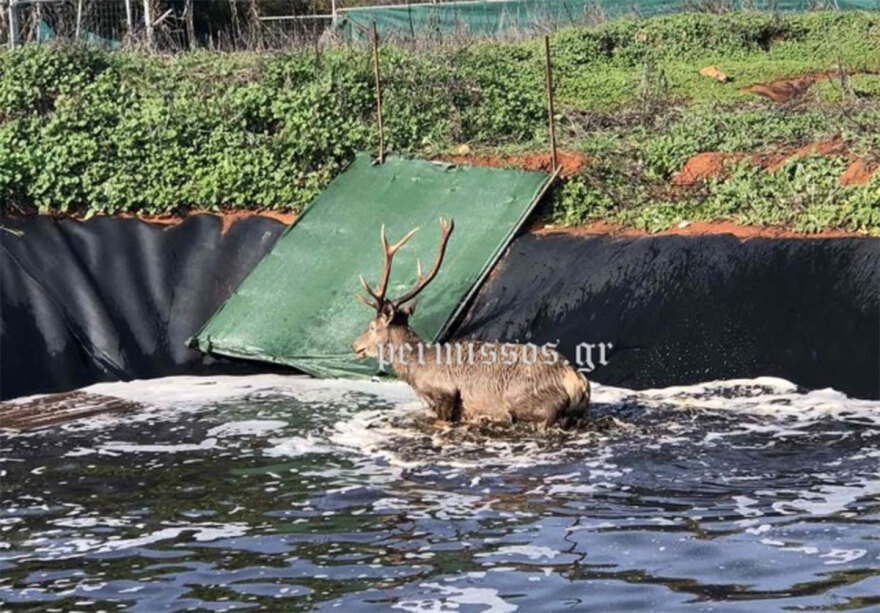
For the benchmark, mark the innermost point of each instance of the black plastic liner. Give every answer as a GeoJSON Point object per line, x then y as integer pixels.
{"type": "Point", "coordinates": [109, 299]}
{"type": "Point", "coordinates": [687, 309]}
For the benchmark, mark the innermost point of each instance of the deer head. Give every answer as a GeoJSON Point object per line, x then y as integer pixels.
{"type": "Point", "coordinates": [392, 315]}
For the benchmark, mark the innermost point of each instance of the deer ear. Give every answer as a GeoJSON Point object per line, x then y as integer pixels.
{"type": "Point", "coordinates": [387, 313]}
{"type": "Point", "coordinates": [408, 308]}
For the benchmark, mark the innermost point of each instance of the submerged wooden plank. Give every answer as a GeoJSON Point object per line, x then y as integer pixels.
{"type": "Point", "coordinates": [55, 409]}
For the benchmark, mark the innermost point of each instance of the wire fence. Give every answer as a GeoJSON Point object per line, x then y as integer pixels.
{"type": "Point", "coordinates": [165, 25]}
{"type": "Point", "coordinates": [170, 25]}
{"type": "Point", "coordinates": [175, 25]}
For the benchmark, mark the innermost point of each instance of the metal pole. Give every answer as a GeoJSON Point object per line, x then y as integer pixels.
{"type": "Point", "coordinates": [333, 10]}
{"type": "Point", "coordinates": [148, 23]}
{"type": "Point", "coordinates": [190, 24]}
{"type": "Point", "coordinates": [375, 37]}
{"type": "Point", "coordinates": [128, 19]}
{"type": "Point", "coordinates": [13, 25]}
{"type": "Point", "coordinates": [79, 17]}
{"type": "Point", "coordinates": [549, 72]}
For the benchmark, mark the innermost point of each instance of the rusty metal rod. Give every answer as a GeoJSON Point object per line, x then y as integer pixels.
{"type": "Point", "coordinates": [550, 113]}
{"type": "Point", "coordinates": [375, 38]}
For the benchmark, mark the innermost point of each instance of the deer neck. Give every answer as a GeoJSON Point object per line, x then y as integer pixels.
{"type": "Point", "coordinates": [400, 336]}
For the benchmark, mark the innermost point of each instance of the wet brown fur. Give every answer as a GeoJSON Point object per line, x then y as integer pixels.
{"type": "Point", "coordinates": [470, 388]}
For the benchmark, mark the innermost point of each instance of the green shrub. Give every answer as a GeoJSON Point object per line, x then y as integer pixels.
{"type": "Point", "coordinates": [128, 132]}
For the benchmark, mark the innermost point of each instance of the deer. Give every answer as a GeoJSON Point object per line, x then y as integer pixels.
{"type": "Point", "coordinates": [465, 381]}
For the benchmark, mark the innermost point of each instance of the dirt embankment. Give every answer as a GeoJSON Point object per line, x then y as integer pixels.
{"type": "Point", "coordinates": [783, 91]}
{"type": "Point", "coordinates": [699, 228]}
{"type": "Point", "coordinates": [570, 163]}
{"type": "Point", "coordinates": [702, 166]}
{"type": "Point", "coordinates": [712, 164]}
{"type": "Point", "coordinates": [227, 217]}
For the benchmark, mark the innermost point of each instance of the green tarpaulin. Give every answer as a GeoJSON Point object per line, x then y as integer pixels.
{"type": "Point", "coordinates": [497, 16]}
{"type": "Point", "coordinates": [297, 307]}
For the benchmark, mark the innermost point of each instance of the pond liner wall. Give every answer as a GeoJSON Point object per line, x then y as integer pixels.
{"type": "Point", "coordinates": [110, 298]}
{"type": "Point", "coordinates": [82, 302]}
{"type": "Point", "coordinates": [687, 309]}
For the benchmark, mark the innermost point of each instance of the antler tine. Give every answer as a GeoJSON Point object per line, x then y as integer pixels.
{"type": "Point", "coordinates": [370, 290]}
{"type": "Point", "coordinates": [389, 256]}
{"type": "Point", "coordinates": [370, 304]}
{"type": "Point", "coordinates": [372, 293]}
{"type": "Point", "coordinates": [423, 281]}
{"type": "Point", "coordinates": [379, 293]}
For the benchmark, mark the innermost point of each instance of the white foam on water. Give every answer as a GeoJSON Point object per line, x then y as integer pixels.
{"type": "Point", "coordinates": [249, 427]}
{"type": "Point", "coordinates": [766, 396]}
{"type": "Point", "coordinates": [46, 548]}
{"type": "Point", "coordinates": [832, 557]}
{"type": "Point", "coordinates": [168, 397]}
{"type": "Point", "coordinates": [532, 552]}
{"type": "Point", "coordinates": [90, 522]}
{"type": "Point", "coordinates": [829, 499]}
{"type": "Point", "coordinates": [379, 435]}
{"type": "Point", "coordinates": [844, 556]}
{"type": "Point", "coordinates": [293, 446]}
{"type": "Point", "coordinates": [125, 447]}
{"type": "Point", "coordinates": [187, 391]}
{"type": "Point", "coordinates": [453, 596]}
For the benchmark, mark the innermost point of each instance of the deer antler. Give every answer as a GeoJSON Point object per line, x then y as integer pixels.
{"type": "Point", "coordinates": [421, 282]}
{"type": "Point", "coordinates": [379, 294]}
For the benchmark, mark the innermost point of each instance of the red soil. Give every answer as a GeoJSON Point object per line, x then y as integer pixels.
{"type": "Point", "coordinates": [705, 166]}
{"type": "Point", "coordinates": [710, 164]}
{"type": "Point", "coordinates": [782, 91]}
{"type": "Point", "coordinates": [693, 229]}
{"type": "Point", "coordinates": [859, 172]}
{"type": "Point", "coordinates": [785, 90]}
{"type": "Point", "coordinates": [601, 227]}
{"type": "Point", "coordinates": [569, 162]}
{"type": "Point", "coordinates": [227, 218]}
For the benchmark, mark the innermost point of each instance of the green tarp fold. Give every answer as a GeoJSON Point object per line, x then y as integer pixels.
{"type": "Point", "coordinates": [297, 307]}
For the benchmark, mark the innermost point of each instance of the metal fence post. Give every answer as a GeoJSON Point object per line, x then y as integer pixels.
{"type": "Point", "coordinates": [148, 23]}
{"type": "Point", "coordinates": [374, 36]}
{"type": "Point", "coordinates": [13, 25]}
{"type": "Point", "coordinates": [551, 118]}
{"type": "Point", "coordinates": [79, 17]}
{"type": "Point", "coordinates": [129, 23]}
{"type": "Point", "coordinates": [190, 23]}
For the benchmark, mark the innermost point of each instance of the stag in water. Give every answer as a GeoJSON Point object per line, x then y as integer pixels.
{"type": "Point", "coordinates": [469, 381]}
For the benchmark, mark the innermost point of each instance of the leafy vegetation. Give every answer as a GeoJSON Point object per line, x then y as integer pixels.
{"type": "Point", "coordinates": [804, 195]}
{"type": "Point", "coordinates": [84, 131]}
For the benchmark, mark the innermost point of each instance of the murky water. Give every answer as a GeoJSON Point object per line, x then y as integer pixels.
{"type": "Point", "coordinates": [284, 493]}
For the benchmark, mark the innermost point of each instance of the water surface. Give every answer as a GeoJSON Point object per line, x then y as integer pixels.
{"type": "Point", "coordinates": [286, 493]}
